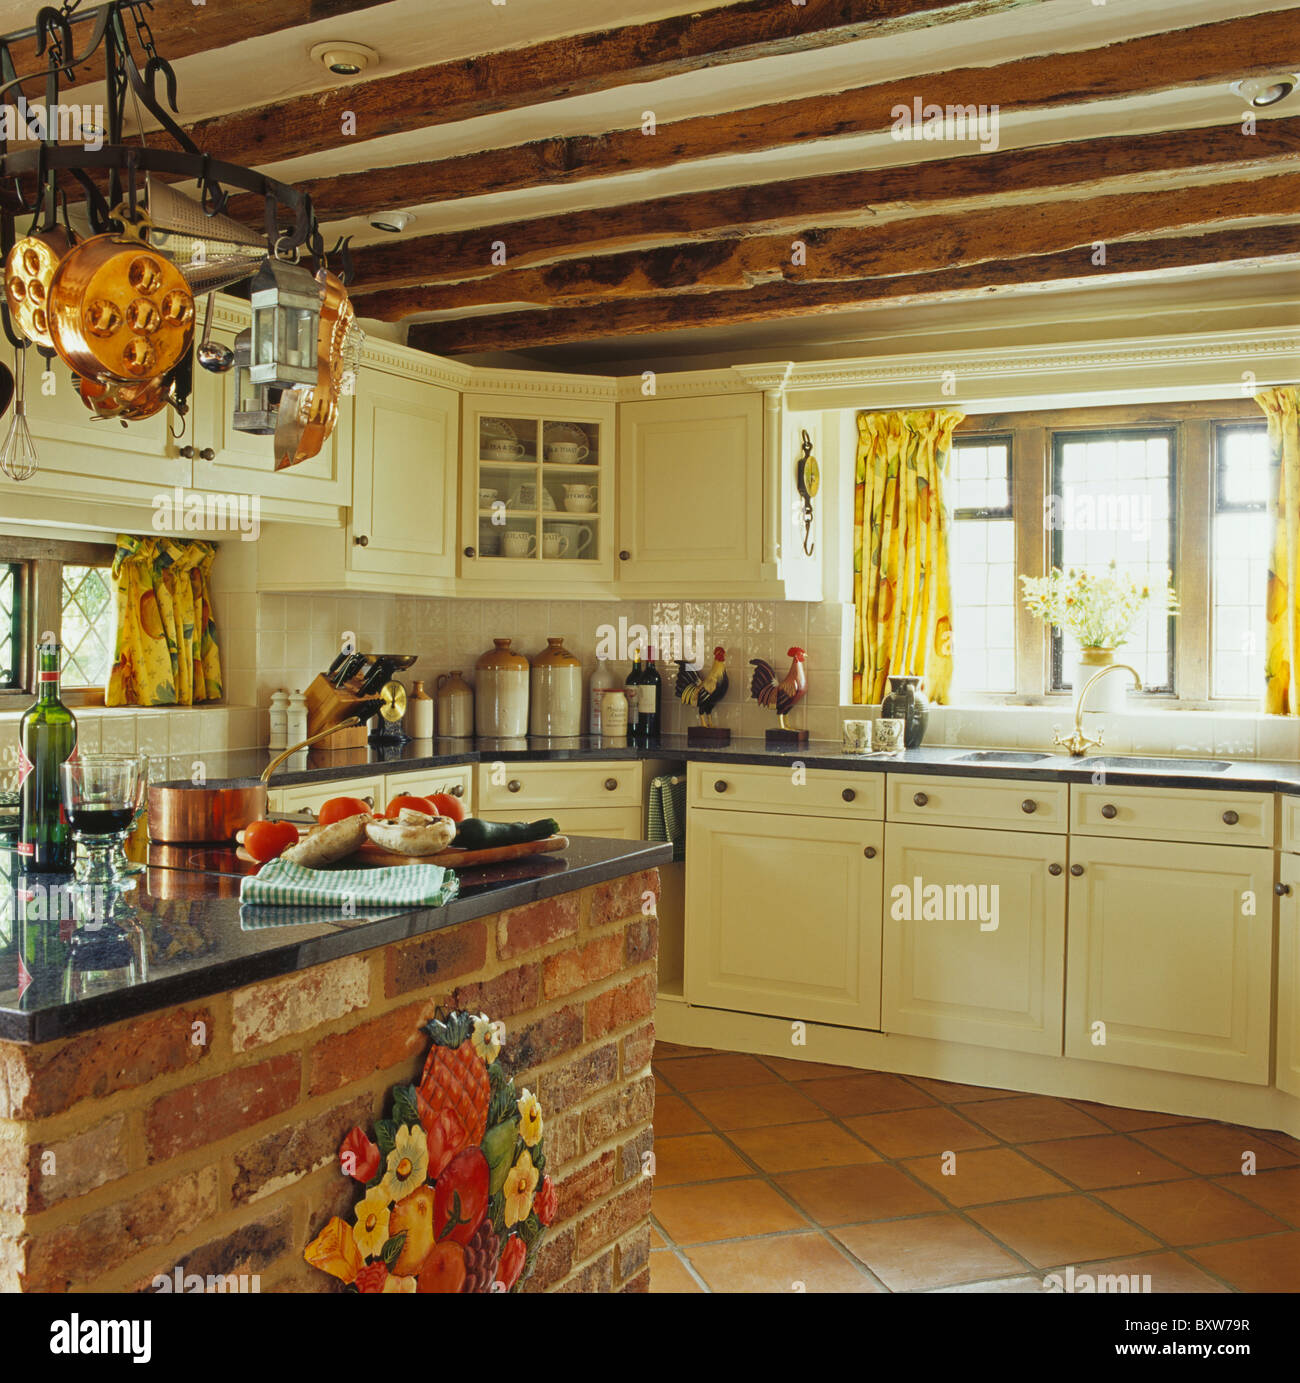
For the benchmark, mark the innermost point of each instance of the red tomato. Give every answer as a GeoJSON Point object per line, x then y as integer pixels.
{"type": "Point", "coordinates": [267, 840]}
{"type": "Point", "coordinates": [340, 808]}
{"type": "Point", "coordinates": [416, 804]}
{"type": "Point", "coordinates": [460, 1196]}
{"type": "Point", "coordinates": [446, 805]}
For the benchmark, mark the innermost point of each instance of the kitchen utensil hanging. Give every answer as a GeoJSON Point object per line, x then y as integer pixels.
{"type": "Point", "coordinates": [307, 416]}
{"type": "Point", "coordinates": [29, 271]}
{"type": "Point", "coordinates": [210, 251]}
{"type": "Point", "coordinates": [18, 459]}
{"type": "Point", "coordinates": [214, 356]}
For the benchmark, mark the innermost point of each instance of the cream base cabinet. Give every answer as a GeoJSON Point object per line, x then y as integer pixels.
{"type": "Point", "coordinates": [1170, 957]}
{"type": "Point", "coordinates": [1288, 979]}
{"type": "Point", "coordinates": [783, 916]}
{"type": "Point", "coordinates": [981, 960]}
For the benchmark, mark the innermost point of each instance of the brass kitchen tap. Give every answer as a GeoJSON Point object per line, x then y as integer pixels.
{"type": "Point", "coordinates": [1078, 743]}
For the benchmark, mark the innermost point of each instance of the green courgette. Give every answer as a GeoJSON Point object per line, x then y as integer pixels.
{"type": "Point", "coordinates": [476, 834]}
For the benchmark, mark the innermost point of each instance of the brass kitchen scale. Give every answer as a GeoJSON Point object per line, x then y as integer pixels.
{"type": "Point", "coordinates": [392, 709]}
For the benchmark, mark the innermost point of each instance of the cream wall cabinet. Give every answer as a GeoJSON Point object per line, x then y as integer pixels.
{"type": "Point", "coordinates": [983, 960]}
{"type": "Point", "coordinates": [1170, 957]}
{"type": "Point", "coordinates": [1288, 978]}
{"type": "Point", "coordinates": [783, 915]}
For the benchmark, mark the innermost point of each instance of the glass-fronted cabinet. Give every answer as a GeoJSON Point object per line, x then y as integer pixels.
{"type": "Point", "coordinates": [536, 506]}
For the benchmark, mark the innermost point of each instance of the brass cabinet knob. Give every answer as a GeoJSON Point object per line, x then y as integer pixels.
{"type": "Point", "coordinates": [1109, 811]}
{"type": "Point", "coordinates": [848, 794]}
{"type": "Point", "coordinates": [513, 785]}
{"type": "Point", "coordinates": [611, 784]}
{"type": "Point", "coordinates": [471, 552]}
{"type": "Point", "coordinates": [207, 454]}
{"type": "Point", "coordinates": [1282, 890]}
{"type": "Point", "coordinates": [369, 801]}
{"type": "Point", "coordinates": [625, 556]}
{"type": "Point", "coordinates": [361, 540]}
{"type": "Point", "coordinates": [202, 453]}
{"type": "Point", "coordinates": [870, 852]}
{"type": "Point", "coordinates": [720, 785]}
{"type": "Point", "coordinates": [458, 790]}
{"type": "Point", "coordinates": [920, 799]}
{"type": "Point", "coordinates": [1029, 806]}
{"type": "Point", "coordinates": [1076, 870]}
{"type": "Point", "coordinates": [1230, 818]}
{"type": "Point", "coordinates": [1054, 870]}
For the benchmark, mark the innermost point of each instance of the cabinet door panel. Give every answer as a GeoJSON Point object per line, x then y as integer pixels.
{"type": "Point", "coordinates": [1288, 980]}
{"type": "Point", "coordinates": [310, 797]}
{"type": "Point", "coordinates": [988, 966]}
{"type": "Point", "coordinates": [783, 916]}
{"type": "Point", "coordinates": [614, 823]}
{"type": "Point", "coordinates": [1170, 948]}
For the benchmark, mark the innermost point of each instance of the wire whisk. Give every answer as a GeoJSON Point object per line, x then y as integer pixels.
{"type": "Point", "coordinates": [18, 459]}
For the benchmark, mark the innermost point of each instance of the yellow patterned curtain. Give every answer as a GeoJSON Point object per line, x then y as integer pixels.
{"type": "Point", "coordinates": [166, 653]}
{"type": "Point", "coordinates": [901, 590]}
{"type": "Point", "coordinates": [1280, 662]}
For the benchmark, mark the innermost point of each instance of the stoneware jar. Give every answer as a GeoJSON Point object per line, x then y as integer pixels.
{"type": "Point", "coordinates": [455, 707]}
{"type": "Point", "coordinates": [420, 713]}
{"type": "Point", "coordinates": [557, 693]}
{"type": "Point", "coordinates": [906, 701]}
{"type": "Point", "coordinates": [501, 693]}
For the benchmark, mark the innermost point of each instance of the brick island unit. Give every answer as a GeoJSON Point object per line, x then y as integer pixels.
{"type": "Point", "coordinates": [175, 1084]}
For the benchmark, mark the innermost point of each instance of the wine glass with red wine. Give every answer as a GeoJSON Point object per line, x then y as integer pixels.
{"type": "Point", "coordinates": [100, 797]}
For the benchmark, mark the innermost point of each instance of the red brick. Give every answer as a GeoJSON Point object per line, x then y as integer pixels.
{"type": "Point", "coordinates": [581, 966]}
{"type": "Point", "coordinates": [289, 1154]}
{"type": "Point", "coordinates": [624, 1211]}
{"type": "Point", "coordinates": [36, 1081]}
{"type": "Point", "coordinates": [509, 993]}
{"type": "Point", "coordinates": [435, 958]}
{"type": "Point", "coordinates": [638, 1049]}
{"type": "Point", "coordinates": [584, 1184]}
{"type": "Point", "coordinates": [642, 940]}
{"type": "Point", "coordinates": [639, 1283]}
{"type": "Point", "coordinates": [632, 1105]}
{"type": "Point", "coordinates": [204, 1113]}
{"type": "Point", "coordinates": [632, 1254]}
{"type": "Point", "coordinates": [597, 1276]}
{"type": "Point", "coordinates": [75, 1165]}
{"type": "Point", "coordinates": [616, 1008]}
{"type": "Point", "coordinates": [554, 1260]}
{"type": "Point", "coordinates": [579, 1079]}
{"type": "Point", "coordinates": [563, 1139]}
{"type": "Point", "coordinates": [525, 929]}
{"type": "Point", "coordinates": [635, 1156]}
{"type": "Point", "coordinates": [264, 1013]}
{"type": "Point", "coordinates": [540, 1041]}
{"type": "Point", "coordinates": [252, 1248]}
{"type": "Point", "coordinates": [622, 898]}
{"type": "Point", "coordinates": [373, 1046]}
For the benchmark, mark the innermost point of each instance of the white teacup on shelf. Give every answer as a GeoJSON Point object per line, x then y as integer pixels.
{"type": "Point", "coordinates": [502, 449]}
{"type": "Point", "coordinates": [579, 535]}
{"type": "Point", "coordinates": [520, 542]}
{"type": "Point", "coordinates": [580, 499]}
{"type": "Point", "coordinates": [554, 545]}
{"type": "Point", "coordinates": [567, 453]}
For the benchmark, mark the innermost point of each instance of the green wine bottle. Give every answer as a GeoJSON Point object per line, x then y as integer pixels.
{"type": "Point", "coordinates": [44, 928]}
{"type": "Point", "coordinates": [47, 736]}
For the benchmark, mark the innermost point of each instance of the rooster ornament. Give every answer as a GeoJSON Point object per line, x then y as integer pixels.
{"type": "Point", "coordinates": [784, 694]}
{"type": "Point", "coordinates": [704, 690]}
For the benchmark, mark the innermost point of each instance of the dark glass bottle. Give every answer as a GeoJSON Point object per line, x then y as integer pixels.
{"type": "Point", "coordinates": [47, 736]}
{"type": "Point", "coordinates": [651, 699]}
{"type": "Point", "coordinates": [633, 688]}
{"type": "Point", "coordinates": [44, 926]}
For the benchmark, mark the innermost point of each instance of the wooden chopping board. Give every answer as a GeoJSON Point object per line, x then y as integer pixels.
{"type": "Point", "coordinates": [372, 856]}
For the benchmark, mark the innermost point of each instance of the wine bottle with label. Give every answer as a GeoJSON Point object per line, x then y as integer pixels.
{"type": "Point", "coordinates": [47, 737]}
{"type": "Point", "coordinates": [44, 925]}
{"type": "Point", "coordinates": [649, 699]}
{"type": "Point", "coordinates": [633, 688]}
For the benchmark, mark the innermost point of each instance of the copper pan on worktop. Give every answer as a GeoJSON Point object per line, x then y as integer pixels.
{"type": "Point", "coordinates": [186, 815]}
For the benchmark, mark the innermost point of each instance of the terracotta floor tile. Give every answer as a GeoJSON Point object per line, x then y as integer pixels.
{"type": "Point", "coordinates": [1215, 1148]}
{"type": "Point", "coordinates": [793, 1069]}
{"type": "Point", "coordinates": [1256, 1265]}
{"type": "Point", "coordinates": [848, 1195]}
{"type": "Point", "coordinates": [1277, 1191]}
{"type": "Point", "coordinates": [985, 1175]}
{"type": "Point", "coordinates": [936, 1251]}
{"type": "Point", "coordinates": [657, 1240]}
{"type": "Point", "coordinates": [949, 1092]}
{"type": "Point", "coordinates": [1283, 1141]}
{"type": "Point", "coordinates": [668, 1275]}
{"type": "Point", "coordinates": [1062, 1230]}
{"type": "Point", "coordinates": [787, 1263]}
{"type": "Point", "coordinates": [867, 1093]}
{"type": "Point", "coordinates": [695, 1157]}
{"type": "Point", "coordinates": [1168, 1273]}
{"type": "Point", "coordinates": [756, 1105]}
{"type": "Point", "coordinates": [672, 1049]}
{"type": "Point", "coordinates": [725, 1071]}
{"type": "Point", "coordinates": [662, 1087]}
{"type": "Point", "coordinates": [673, 1115]}
{"type": "Point", "coordinates": [1106, 1160]}
{"type": "Point", "coordinates": [1125, 1120]}
{"type": "Point", "coordinates": [910, 1132]}
{"type": "Point", "coordinates": [798, 1147]}
{"type": "Point", "coordinates": [723, 1210]}
{"type": "Point", "coordinates": [1031, 1118]}
{"type": "Point", "coordinates": [1027, 1286]}
{"type": "Point", "coordinates": [1190, 1212]}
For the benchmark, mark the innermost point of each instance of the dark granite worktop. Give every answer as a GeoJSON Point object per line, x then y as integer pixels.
{"type": "Point", "coordinates": [322, 765]}
{"type": "Point", "coordinates": [179, 932]}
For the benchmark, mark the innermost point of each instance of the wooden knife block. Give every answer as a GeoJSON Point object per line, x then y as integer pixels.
{"type": "Point", "coordinates": [327, 705]}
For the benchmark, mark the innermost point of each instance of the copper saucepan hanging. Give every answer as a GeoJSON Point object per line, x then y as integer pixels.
{"type": "Point", "coordinates": [131, 403]}
{"type": "Point", "coordinates": [119, 311]}
{"type": "Point", "coordinates": [29, 272]}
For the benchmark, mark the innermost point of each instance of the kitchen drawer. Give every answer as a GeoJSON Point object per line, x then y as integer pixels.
{"type": "Point", "coordinates": [309, 796]}
{"type": "Point", "coordinates": [1289, 808]}
{"type": "Point", "coordinates": [1197, 814]}
{"type": "Point", "coordinates": [519, 788]}
{"type": "Point", "coordinates": [802, 792]}
{"type": "Point", "coordinates": [615, 823]}
{"type": "Point", "coordinates": [457, 779]}
{"type": "Point", "coordinates": [998, 804]}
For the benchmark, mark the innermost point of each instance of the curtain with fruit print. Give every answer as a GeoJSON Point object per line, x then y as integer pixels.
{"type": "Point", "coordinates": [1282, 405]}
{"type": "Point", "coordinates": [166, 652]}
{"type": "Point", "coordinates": [901, 592]}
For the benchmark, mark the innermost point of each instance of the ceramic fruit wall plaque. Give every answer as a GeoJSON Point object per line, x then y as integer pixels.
{"type": "Point", "coordinates": [454, 1191]}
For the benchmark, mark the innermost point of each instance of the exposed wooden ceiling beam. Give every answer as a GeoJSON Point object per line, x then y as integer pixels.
{"type": "Point", "coordinates": [522, 331]}
{"type": "Point", "coordinates": [577, 64]}
{"type": "Point", "coordinates": [908, 246]}
{"type": "Point", "coordinates": [1209, 53]}
{"type": "Point", "coordinates": [767, 206]}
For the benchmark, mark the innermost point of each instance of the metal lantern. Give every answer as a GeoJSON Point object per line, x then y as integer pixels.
{"type": "Point", "coordinates": [257, 406]}
{"type": "Point", "coordinates": [286, 302]}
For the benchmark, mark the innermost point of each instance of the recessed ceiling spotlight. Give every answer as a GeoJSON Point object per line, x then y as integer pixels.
{"type": "Point", "coordinates": [394, 222]}
{"type": "Point", "coordinates": [343, 59]}
{"type": "Point", "coordinates": [1267, 91]}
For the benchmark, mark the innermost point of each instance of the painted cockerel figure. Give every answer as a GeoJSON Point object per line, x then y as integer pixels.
{"type": "Point", "coordinates": [703, 690]}
{"type": "Point", "coordinates": [786, 694]}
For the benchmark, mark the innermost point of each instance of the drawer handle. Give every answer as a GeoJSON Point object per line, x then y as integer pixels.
{"type": "Point", "coordinates": [625, 556]}
{"type": "Point", "coordinates": [848, 794]}
{"type": "Point", "coordinates": [1054, 870]}
{"type": "Point", "coordinates": [458, 790]}
{"type": "Point", "coordinates": [361, 540]}
{"type": "Point", "coordinates": [920, 799]}
{"type": "Point", "coordinates": [369, 801]}
{"type": "Point", "coordinates": [611, 783]}
{"type": "Point", "coordinates": [471, 552]}
{"type": "Point", "coordinates": [1110, 812]}
{"type": "Point", "coordinates": [1029, 806]}
{"type": "Point", "coordinates": [1230, 818]}
{"type": "Point", "coordinates": [720, 785]}
{"type": "Point", "coordinates": [870, 852]}
{"type": "Point", "coordinates": [513, 785]}
{"type": "Point", "coordinates": [1282, 890]}
{"type": "Point", "coordinates": [1076, 870]}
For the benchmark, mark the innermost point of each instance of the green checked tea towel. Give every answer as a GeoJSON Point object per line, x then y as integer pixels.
{"type": "Point", "coordinates": [667, 812]}
{"type": "Point", "coordinates": [281, 884]}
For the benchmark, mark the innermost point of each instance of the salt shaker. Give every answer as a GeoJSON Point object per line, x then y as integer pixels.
{"type": "Point", "coordinates": [279, 737]}
{"type": "Point", "coordinates": [297, 718]}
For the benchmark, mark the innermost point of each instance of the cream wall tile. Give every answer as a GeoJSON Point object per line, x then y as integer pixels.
{"type": "Point", "coordinates": [89, 731]}
{"type": "Point", "coordinates": [1236, 737]}
{"type": "Point", "coordinates": [152, 733]}
{"type": "Point", "coordinates": [118, 733]}
{"type": "Point", "coordinates": [1278, 737]}
{"type": "Point", "coordinates": [213, 730]}
{"type": "Point", "coordinates": [244, 728]}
